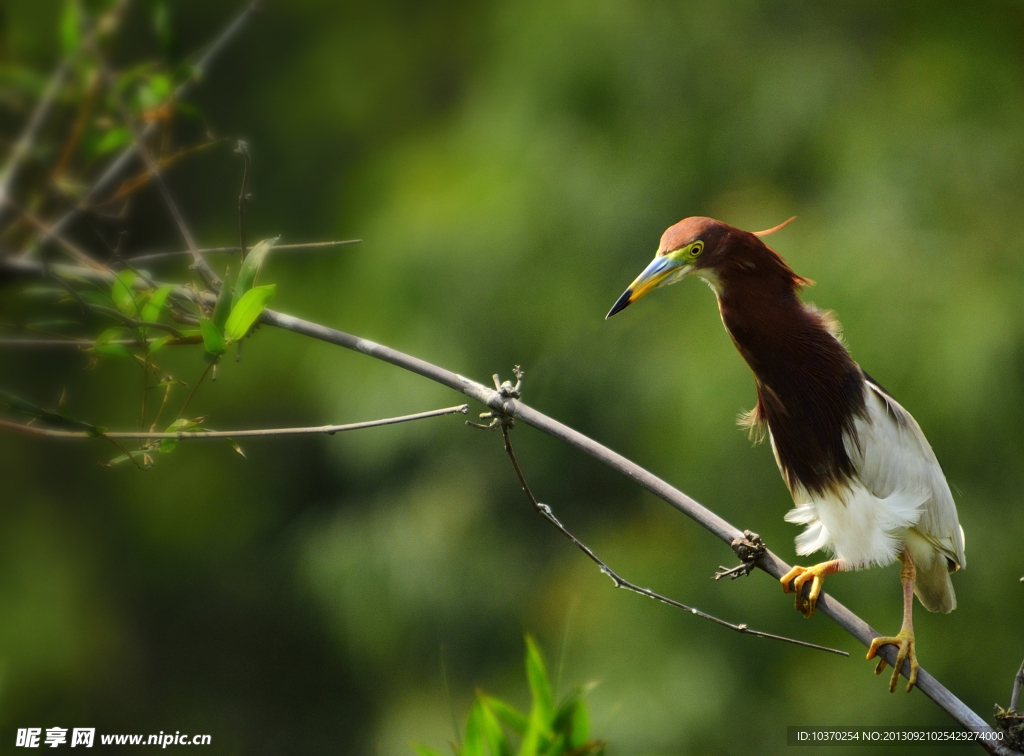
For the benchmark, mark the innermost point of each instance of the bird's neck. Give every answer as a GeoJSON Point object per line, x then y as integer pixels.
{"type": "Point", "coordinates": [809, 389]}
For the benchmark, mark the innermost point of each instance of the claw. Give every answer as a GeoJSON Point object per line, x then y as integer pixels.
{"type": "Point", "coordinates": [907, 645]}
{"type": "Point", "coordinates": [799, 576]}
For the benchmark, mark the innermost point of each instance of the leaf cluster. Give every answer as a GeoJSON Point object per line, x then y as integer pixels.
{"type": "Point", "coordinates": [497, 728]}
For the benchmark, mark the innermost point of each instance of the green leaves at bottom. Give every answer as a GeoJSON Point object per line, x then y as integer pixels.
{"type": "Point", "coordinates": [546, 731]}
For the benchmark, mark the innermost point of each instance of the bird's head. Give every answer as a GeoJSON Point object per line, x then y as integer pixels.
{"type": "Point", "coordinates": [702, 247]}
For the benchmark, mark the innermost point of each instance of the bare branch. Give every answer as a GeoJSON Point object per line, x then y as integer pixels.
{"type": "Point", "coordinates": [149, 256]}
{"type": "Point", "coordinates": [328, 430]}
{"type": "Point", "coordinates": [619, 582]}
{"type": "Point", "coordinates": [124, 159]}
{"type": "Point", "coordinates": [35, 122]}
{"type": "Point", "coordinates": [769, 562]}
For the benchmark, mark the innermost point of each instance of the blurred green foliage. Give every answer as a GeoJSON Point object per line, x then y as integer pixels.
{"type": "Point", "coordinates": [547, 730]}
{"type": "Point", "coordinates": [511, 166]}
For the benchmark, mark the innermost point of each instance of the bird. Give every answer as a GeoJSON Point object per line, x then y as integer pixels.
{"type": "Point", "coordinates": [864, 480]}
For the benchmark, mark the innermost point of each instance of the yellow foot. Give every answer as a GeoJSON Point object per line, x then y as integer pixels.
{"type": "Point", "coordinates": [799, 576]}
{"type": "Point", "coordinates": [907, 645]}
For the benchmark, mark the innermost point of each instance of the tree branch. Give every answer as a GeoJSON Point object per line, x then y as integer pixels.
{"type": "Point", "coordinates": [724, 530]}
{"type": "Point", "coordinates": [727, 532]}
{"type": "Point", "coordinates": [328, 430]}
{"type": "Point", "coordinates": [619, 582]}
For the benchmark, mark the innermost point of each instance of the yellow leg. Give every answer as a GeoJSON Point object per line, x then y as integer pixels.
{"type": "Point", "coordinates": [904, 640]}
{"type": "Point", "coordinates": [800, 575]}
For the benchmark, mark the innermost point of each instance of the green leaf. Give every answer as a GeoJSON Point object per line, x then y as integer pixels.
{"type": "Point", "coordinates": [473, 741]}
{"type": "Point", "coordinates": [247, 311]}
{"type": "Point", "coordinates": [157, 344]}
{"type": "Point", "coordinates": [121, 292]}
{"type": "Point", "coordinates": [155, 306]}
{"type": "Point", "coordinates": [234, 445]}
{"type": "Point", "coordinates": [97, 298]}
{"type": "Point", "coordinates": [110, 334]}
{"type": "Point", "coordinates": [572, 720]}
{"type": "Point", "coordinates": [49, 416]}
{"type": "Point", "coordinates": [136, 455]}
{"type": "Point", "coordinates": [70, 28]}
{"type": "Point", "coordinates": [250, 269]}
{"type": "Point", "coordinates": [514, 719]}
{"type": "Point", "coordinates": [213, 339]}
{"type": "Point", "coordinates": [494, 736]}
{"type": "Point", "coordinates": [540, 685]}
{"type": "Point", "coordinates": [114, 139]}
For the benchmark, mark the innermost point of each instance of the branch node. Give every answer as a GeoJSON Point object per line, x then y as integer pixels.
{"type": "Point", "coordinates": [750, 548]}
{"type": "Point", "coordinates": [502, 417]}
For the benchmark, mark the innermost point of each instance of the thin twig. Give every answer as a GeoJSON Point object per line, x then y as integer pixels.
{"type": "Point", "coordinates": [86, 343]}
{"type": "Point", "coordinates": [1018, 683]}
{"type": "Point", "coordinates": [149, 256]}
{"type": "Point", "coordinates": [620, 582]}
{"type": "Point", "coordinates": [243, 195]}
{"type": "Point", "coordinates": [23, 146]}
{"type": "Point", "coordinates": [124, 159]}
{"type": "Point", "coordinates": [328, 430]}
{"type": "Point", "coordinates": [50, 232]}
{"type": "Point", "coordinates": [198, 262]}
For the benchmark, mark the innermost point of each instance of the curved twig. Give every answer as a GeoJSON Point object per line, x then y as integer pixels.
{"type": "Point", "coordinates": [620, 582]}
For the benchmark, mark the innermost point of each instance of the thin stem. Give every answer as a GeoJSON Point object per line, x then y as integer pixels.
{"type": "Point", "coordinates": [1018, 683]}
{"type": "Point", "coordinates": [86, 343]}
{"type": "Point", "coordinates": [133, 323]}
{"type": "Point", "coordinates": [620, 582]}
{"type": "Point", "coordinates": [149, 256]}
{"type": "Point", "coordinates": [195, 388]}
{"type": "Point", "coordinates": [198, 262]}
{"type": "Point", "coordinates": [243, 195]}
{"type": "Point", "coordinates": [328, 430]}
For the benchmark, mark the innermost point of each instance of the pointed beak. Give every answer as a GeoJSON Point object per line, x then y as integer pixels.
{"type": "Point", "coordinates": [654, 275]}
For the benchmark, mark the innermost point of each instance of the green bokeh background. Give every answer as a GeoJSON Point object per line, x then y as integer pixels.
{"type": "Point", "coordinates": [511, 166]}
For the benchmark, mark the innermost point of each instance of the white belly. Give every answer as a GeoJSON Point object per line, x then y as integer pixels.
{"type": "Point", "coordinates": [860, 529]}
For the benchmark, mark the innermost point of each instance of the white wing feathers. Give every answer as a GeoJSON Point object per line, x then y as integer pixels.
{"type": "Point", "coordinates": [900, 492]}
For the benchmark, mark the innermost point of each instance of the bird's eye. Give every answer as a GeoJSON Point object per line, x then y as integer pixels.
{"type": "Point", "coordinates": [696, 249]}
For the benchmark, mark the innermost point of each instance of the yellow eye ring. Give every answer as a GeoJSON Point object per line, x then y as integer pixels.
{"type": "Point", "coordinates": [696, 249]}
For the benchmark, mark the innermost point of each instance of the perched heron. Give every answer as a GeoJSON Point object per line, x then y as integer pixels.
{"type": "Point", "coordinates": [865, 482]}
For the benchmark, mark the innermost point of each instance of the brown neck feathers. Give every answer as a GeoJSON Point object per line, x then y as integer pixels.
{"type": "Point", "coordinates": [809, 389]}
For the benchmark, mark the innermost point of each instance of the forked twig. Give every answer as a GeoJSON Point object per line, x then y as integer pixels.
{"type": "Point", "coordinates": [619, 582]}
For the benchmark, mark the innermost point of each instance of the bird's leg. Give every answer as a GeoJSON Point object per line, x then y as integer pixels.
{"type": "Point", "coordinates": [800, 575]}
{"type": "Point", "coordinates": [904, 640]}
